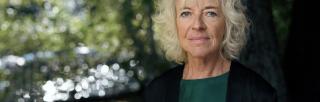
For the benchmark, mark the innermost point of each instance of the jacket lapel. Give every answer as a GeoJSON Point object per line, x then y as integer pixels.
{"type": "Point", "coordinates": [173, 87]}
{"type": "Point", "coordinates": [233, 84]}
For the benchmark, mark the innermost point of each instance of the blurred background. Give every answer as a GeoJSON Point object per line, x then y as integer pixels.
{"type": "Point", "coordinates": [105, 50]}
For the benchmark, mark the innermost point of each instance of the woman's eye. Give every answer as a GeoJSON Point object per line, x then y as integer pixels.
{"type": "Point", "coordinates": [185, 14]}
{"type": "Point", "coordinates": [211, 14]}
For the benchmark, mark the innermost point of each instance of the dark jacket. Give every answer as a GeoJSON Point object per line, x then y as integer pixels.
{"type": "Point", "coordinates": [244, 85]}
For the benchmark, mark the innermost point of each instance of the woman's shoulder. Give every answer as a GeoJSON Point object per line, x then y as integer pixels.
{"type": "Point", "coordinates": [171, 75]}
{"type": "Point", "coordinates": [247, 74]}
{"type": "Point", "coordinates": [245, 79]}
{"type": "Point", "coordinates": [166, 86]}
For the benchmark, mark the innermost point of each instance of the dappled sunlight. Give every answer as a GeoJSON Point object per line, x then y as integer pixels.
{"type": "Point", "coordinates": [69, 50]}
{"type": "Point", "coordinates": [99, 81]}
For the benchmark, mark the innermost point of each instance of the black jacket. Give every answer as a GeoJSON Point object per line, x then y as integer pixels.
{"type": "Point", "coordinates": [244, 85]}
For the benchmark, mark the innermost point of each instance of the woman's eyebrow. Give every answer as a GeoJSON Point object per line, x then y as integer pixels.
{"type": "Point", "coordinates": [207, 7]}
{"type": "Point", "coordinates": [210, 7]}
{"type": "Point", "coordinates": [185, 8]}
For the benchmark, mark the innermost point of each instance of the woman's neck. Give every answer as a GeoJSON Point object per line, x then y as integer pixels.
{"type": "Point", "coordinates": [199, 68]}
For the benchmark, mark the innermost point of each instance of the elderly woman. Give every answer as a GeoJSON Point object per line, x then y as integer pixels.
{"type": "Point", "coordinates": [205, 38]}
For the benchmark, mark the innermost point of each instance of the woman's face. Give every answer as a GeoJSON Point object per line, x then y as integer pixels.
{"type": "Point", "coordinates": [200, 25]}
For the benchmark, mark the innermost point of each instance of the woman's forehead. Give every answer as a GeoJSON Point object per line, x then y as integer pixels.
{"type": "Point", "coordinates": [197, 3]}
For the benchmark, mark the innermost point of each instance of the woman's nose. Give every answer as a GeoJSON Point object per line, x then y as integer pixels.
{"type": "Point", "coordinates": [198, 23]}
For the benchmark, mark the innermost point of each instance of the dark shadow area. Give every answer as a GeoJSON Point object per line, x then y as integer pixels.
{"type": "Point", "coordinates": [301, 55]}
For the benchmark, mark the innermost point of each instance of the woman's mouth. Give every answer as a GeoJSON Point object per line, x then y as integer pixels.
{"type": "Point", "coordinates": [199, 39]}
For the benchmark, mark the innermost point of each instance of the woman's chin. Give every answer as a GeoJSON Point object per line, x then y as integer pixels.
{"type": "Point", "coordinates": [199, 54]}
{"type": "Point", "coordinates": [201, 51]}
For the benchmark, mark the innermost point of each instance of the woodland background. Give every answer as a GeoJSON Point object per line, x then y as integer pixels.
{"type": "Point", "coordinates": [105, 50]}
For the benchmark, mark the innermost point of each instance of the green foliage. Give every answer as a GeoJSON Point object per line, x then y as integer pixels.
{"type": "Point", "coordinates": [281, 11]}
{"type": "Point", "coordinates": [115, 30]}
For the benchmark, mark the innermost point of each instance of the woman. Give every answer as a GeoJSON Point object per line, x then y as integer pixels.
{"type": "Point", "coordinates": [205, 37]}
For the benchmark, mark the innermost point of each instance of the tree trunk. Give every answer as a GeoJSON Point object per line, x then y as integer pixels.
{"type": "Point", "coordinates": [261, 52]}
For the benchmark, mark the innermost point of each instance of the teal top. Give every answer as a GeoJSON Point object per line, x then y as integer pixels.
{"type": "Point", "coordinates": [213, 89]}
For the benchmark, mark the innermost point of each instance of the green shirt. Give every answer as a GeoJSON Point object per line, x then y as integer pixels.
{"type": "Point", "coordinates": [213, 89]}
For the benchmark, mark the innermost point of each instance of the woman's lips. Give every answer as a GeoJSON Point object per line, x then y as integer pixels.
{"type": "Point", "coordinates": [199, 40]}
